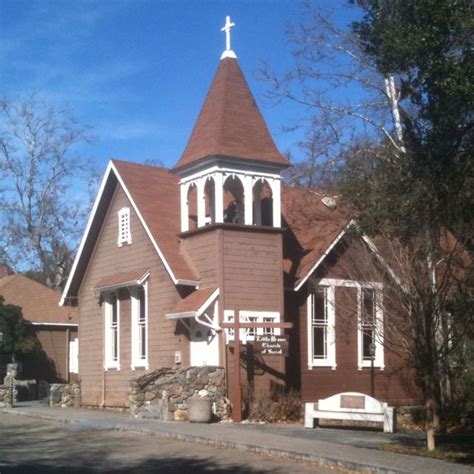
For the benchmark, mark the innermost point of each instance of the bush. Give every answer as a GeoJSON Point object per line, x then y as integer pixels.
{"type": "Point", "coordinates": [281, 406]}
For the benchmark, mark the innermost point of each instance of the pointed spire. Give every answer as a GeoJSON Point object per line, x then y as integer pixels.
{"type": "Point", "coordinates": [230, 123]}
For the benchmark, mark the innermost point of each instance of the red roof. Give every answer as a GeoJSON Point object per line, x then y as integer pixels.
{"type": "Point", "coordinates": [39, 303]}
{"type": "Point", "coordinates": [121, 279]}
{"type": "Point", "coordinates": [230, 123]}
{"type": "Point", "coordinates": [155, 192]}
{"type": "Point", "coordinates": [194, 301]}
{"type": "Point", "coordinates": [311, 229]}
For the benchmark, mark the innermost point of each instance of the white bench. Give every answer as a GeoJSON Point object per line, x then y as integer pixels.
{"type": "Point", "coordinates": [351, 406]}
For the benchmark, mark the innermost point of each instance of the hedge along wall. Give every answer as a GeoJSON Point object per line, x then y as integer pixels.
{"type": "Point", "coordinates": [164, 393]}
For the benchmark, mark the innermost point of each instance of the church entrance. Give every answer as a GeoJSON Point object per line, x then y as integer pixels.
{"type": "Point", "coordinates": [204, 345]}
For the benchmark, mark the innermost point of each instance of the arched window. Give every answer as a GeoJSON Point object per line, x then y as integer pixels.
{"type": "Point", "coordinates": [192, 206]}
{"type": "Point", "coordinates": [262, 203]}
{"type": "Point", "coordinates": [234, 207]}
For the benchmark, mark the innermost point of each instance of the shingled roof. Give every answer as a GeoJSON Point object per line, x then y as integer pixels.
{"type": "Point", "coordinates": [39, 304]}
{"type": "Point", "coordinates": [230, 123]}
{"type": "Point", "coordinates": [310, 226]}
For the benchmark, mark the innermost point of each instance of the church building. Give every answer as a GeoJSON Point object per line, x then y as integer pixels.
{"type": "Point", "coordinates": [170, 255]}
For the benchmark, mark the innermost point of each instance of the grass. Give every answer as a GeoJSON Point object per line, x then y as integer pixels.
{"type": "Point", "coordinates": [456, 449]}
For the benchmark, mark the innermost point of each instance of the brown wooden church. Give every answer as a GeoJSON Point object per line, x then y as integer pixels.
{"type": "Point", "coordinates": [168, 256]}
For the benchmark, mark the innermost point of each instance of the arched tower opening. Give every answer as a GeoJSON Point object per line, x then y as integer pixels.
{"type": "Point", "coordinates": [262, 203]}
{"type": "Point", "coordinates": [234, 206]}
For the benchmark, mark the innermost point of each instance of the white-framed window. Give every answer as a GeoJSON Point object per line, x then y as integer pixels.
{"type": "Point", "coordinates": [139, 300]}
{"type": "Point", "coordinates": [74, 356]}
{"type": "Point", "coordinates": [112, 331]}
{"type": "Point", "coordinates": [370, 328]}
{"type": "Point", "coordinates": [321, 318]}
{"type": "Point", "coordinates": [124, 234]}
{"type": "Point", "coordinates": [248, 334]}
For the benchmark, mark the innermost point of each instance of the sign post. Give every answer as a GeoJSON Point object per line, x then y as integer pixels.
{"type": "Point", "coordinates": [274, 345]}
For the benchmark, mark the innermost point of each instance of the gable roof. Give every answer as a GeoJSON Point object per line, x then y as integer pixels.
{"type": "Point", "coordinates": [312, 230]}
{"type": "Point", "coordinates": [148, 188]}
{"type": "Point", "coordinates": [194, 304]}
{"type": "Point", "coordinates": [230, 123]}
{"type": "Point", "coordinates": [38, 302]}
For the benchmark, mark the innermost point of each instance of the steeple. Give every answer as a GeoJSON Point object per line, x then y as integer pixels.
{"type": "Point", "coordinates": [230, 123]}
{"type": "Point", "coordinates": [230, 162]}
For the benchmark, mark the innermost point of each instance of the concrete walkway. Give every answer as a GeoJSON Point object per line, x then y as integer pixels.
{"type": "Point", "coordinates": [349, 449]}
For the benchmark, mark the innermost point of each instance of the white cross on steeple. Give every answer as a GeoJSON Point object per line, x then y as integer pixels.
{"type": "Point", "coordinates": [228, 53]}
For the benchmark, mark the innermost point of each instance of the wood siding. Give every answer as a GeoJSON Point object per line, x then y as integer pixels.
{"type": "Point", "coordinates": [163, 336]}
{"type": "Point", "coordinates": [252, 270]}
{"type": "Point", "coordinates": [246, 265]}
{"type": "Point", "coordinates": [395, 384]}
{"type": "Point", "coordinates": [252, 279]}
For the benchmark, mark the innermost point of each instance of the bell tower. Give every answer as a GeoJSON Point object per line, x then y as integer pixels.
{"type": "Point", "coordinates": [231, 169]}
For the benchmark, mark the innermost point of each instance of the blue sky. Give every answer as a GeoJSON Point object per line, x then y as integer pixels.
{"type": "Point", "coordinates": [137, 71]}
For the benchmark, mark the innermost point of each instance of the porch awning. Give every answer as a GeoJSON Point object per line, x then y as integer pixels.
{"type": "Point", "coordinates": [122, 280]}
{"type": "Point", "coordinates": [194, 304]}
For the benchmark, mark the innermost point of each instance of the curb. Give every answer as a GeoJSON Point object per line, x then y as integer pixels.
{"type": "Point", "coordinates": [252, 448]}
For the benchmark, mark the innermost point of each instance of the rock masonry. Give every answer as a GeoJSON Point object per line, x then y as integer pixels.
{"type": "Point", "coordinates": [65, 395]}
{"type": "Point", "coordinates": [164, 393]}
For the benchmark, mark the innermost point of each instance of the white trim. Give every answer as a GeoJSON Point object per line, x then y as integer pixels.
{"type": "Point", "coordinates": [86, 232]}
{"type": "Point", "coordinates": [374, 249]}
{"type": "Point", "coordinates": [221, 170]}
{"type": "Point", "coordinates": [124, 284]}
{"type": "Point", "coordinates": [124, 237]}
{"type": "Point", "coordinates": [147, 230]}
{"type": "Point", "coordinates": [379, 360]}
{"type": "Point", "coordinates": [349, 283]}
{"type": "Point", "coordinates": [324, 255]}
{"type": "Point", "coordinates": [137, 361]}
{"type": "Point", "coordinates": [244, 336]}
{"type": "Point", "coordinates": [330, 360]}
{"type": "Point", "coordinates": [110, 168]}
{"type": "Point", "coordinates": [109, 363]}
{"type": "Point", "coordinates": [74, 356]}
{"type": "Point", "coordinates": [72, 325]}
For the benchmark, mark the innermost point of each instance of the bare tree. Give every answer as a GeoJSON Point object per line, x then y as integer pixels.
{"type": "Point", "coordinates": [44, 187]}
{"type": "Point", "coordinates": [426, 307]}
{"type": "Point", "coordinates": [343, 96]}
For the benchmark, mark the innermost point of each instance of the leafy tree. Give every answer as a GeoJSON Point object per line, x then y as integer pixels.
{"type": "Point", "coordinates": [423, 198]}
{"type": "Point", "coordinates": [16, 340]}
{"type": "Point", "coordinates": [401, 149]}
{"type": "Point", "coordinates": [44, 187]}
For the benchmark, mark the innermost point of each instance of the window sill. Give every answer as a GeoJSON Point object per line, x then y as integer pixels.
{"type": "Point", "coordinates": [112, 367]}
{"type": "Point", "coordinates": [368, 366]}
{"type": "Point", "coordinates": [140, 365]}
{"type": "Point", "coordinates": [317, 364]}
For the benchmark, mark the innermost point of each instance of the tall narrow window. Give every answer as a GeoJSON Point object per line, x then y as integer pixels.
{"type": "Point", "coordinates": [139, 297]}
{"type": "Point", "coordinates": [112, 332]}
{"type": "Point", "coordinates": [321, 328]}
{"type": "Point", "coordinates": [370, 335]}
{"type": "Point", "coordinates": [320, 324]}
{"type": "Point", "coordinates": [124, 234]}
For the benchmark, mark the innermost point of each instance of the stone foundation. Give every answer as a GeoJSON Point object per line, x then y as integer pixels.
{"type": "Point", "coordinates": [164, 393]}
{"type": "Point", "coordinates": [65, 395]}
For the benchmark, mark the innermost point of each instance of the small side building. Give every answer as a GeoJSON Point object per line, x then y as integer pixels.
{"type": "Point", "coordinates": [55, 327]}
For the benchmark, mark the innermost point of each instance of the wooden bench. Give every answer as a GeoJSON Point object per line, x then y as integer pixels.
{"type": "Point", "coordinates": [351, 406]}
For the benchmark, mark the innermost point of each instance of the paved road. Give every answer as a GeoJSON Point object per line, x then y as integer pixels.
{"type": "Point", "coordinates": [34, 446]}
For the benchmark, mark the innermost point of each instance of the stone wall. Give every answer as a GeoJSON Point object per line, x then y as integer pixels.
{"type": "Point", "coordinates": [65, 395]}
{"type": "Point", "coordinates": [164, 393]}
{"type": "Point", "coordinates": [5, 396]}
